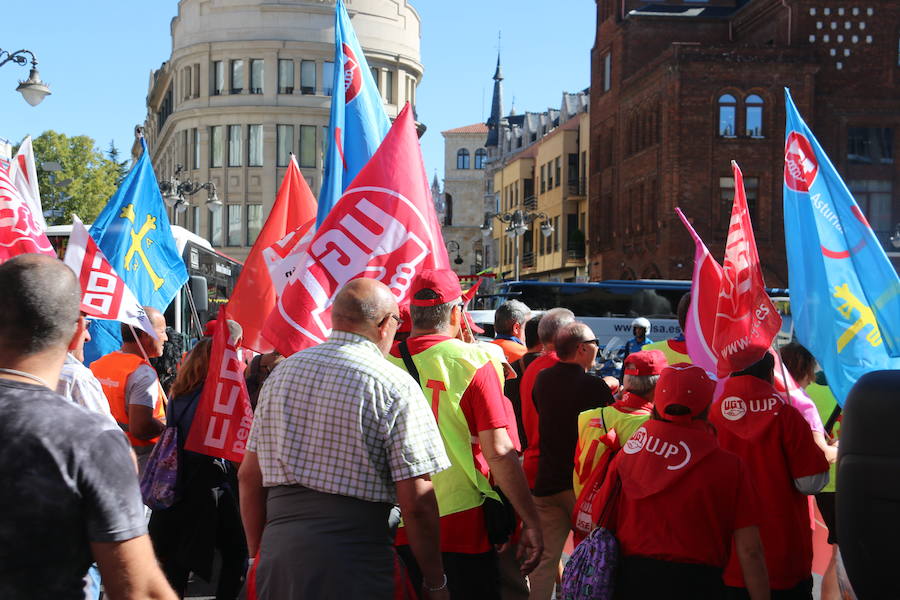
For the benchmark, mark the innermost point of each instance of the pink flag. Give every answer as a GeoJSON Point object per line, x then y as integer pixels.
{"type": "Point", "coordinates": [24, 176]}
{"type": "Point", "coordinates": [19, 233]}
{"type": "Point", "coordinates": [222, 422]}
{"type": "Point", "coordinates": [383, 227]}
{"type": "Point", "coordinates": [103, 293]}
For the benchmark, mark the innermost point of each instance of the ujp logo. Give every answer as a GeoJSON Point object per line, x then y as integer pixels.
{"type": "Point", "coordinates": [352, 75]}
{"type": "Point", "coordinates": [733, 408]}
{"type": "Point", "coordinates": [800, 166]}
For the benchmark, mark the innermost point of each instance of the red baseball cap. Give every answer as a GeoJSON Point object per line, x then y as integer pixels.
{"type": "Point", "coordinates": [443, 282]}
{"type": "Point", "coordinates": [645, 362]}
{"type": "Point", "coordinates": [406, 325]}
{"type": "Point", "coordinates": [685, 385]}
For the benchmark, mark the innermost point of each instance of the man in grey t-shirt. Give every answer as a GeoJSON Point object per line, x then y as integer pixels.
{"type": "Point", "coordinates": [70, 494]}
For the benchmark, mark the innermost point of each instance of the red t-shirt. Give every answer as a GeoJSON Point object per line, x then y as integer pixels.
{"type": "Point", "coordinates": [675, 504]}
{"type": "Point", "coordinates": [777, 446]}
{"type": "Point", "coordinates": [485, 408]}
{"type": "Point", "coordinates": [530, 414]}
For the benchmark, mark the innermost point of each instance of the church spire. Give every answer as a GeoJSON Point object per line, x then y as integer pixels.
{"type": "Point", "coordinates": [494, 122]}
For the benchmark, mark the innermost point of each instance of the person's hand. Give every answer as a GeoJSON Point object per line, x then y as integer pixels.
{"type": "Point", "coordinates": [831, 452]}
{"type": "Point", "coordinates": [531, 546]}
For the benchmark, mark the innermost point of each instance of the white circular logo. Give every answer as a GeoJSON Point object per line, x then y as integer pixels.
{"type": "Point", "coordinates": [636, 442]}
{"type": "Point", "coordinates": [733, 408]}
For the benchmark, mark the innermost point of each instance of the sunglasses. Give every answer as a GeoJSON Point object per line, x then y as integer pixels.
{"type": "Point", "coordinates": [593, 341]}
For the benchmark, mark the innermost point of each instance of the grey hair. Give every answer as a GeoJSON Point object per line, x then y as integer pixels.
{"type": "Point", "coordinates": [432, 317]}
{"type": "Point", "coordinates": [552, 321]}
{"type": "Point", "coordinates": [569, 337]}
{"type": "Point", "coordinates": [640, 384]}
{"type": "Point", "coordinates": [508, 315]}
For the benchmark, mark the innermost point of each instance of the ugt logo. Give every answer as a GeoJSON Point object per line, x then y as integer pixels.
{"type": "Point", "coordinates": [352, 74]}
{"type": "Point", "coordinates": [800, 166]}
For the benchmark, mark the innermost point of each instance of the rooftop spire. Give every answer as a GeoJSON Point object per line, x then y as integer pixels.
{"type": "Point", "coordinates": [494, 122]}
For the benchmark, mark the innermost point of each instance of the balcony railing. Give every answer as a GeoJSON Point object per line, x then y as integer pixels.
{"type": "Point", "coordinates": [578, 187]}
{"type": "Point", "coordinates": [527, 260]}
{"type": "Point", "coordinates": [530, 203]}
{"type": "Point", "coordinates": [575, 252]}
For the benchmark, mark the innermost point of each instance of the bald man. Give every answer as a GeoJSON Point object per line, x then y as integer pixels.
{"type": "Point", "coordinates": [339, 437]}
{"type": "Point", "coordinates": [70, 494]}
{"type": "Point", "coordinates": [136, 398]}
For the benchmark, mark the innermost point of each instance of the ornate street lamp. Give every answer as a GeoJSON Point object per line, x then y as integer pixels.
{"type": "Point", "coordinates": [453, 246]}
{"type": "Point", "coordinates": [517, 224]}
{"type": "Point", "coordinates": [174, 191]}
{"type": "Point", "coordinates": [32, 89]}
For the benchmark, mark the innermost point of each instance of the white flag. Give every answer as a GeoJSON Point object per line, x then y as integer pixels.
{"type": "Point", "coordinates": [24, 176]}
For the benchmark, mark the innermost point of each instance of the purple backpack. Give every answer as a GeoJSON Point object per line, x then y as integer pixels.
{"type": "Point", "coordinates": [590, 571]}
{"type": "Point", "coordinates": [159, 483]}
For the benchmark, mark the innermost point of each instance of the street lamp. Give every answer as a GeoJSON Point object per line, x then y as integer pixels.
{"type": "Point", "coordinates": [454, 247]}
{"type": "Point", "coordinates": [174, 191]}
{"type": "Point", "coordinates": [517, 224]}
{"type": "Point", "coordinates": [32, 89]}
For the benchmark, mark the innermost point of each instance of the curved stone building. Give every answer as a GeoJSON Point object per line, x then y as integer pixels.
{"type": "Point", "coordinates": [248, 82]}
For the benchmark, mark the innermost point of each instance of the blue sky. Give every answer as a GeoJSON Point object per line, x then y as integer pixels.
{"type": "Point", "coordinates": [97, 57]}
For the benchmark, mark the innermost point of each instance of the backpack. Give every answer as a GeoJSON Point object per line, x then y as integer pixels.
{"type": "Point", "coordinates": [585, 514]}
{"type": "Point", "coordinates": [159, 482]}
{"type": "Point", "coordinates": [591, 570]}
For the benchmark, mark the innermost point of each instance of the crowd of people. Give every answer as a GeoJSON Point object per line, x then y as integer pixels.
{"type": "Point", "coordinates": [401, 458]}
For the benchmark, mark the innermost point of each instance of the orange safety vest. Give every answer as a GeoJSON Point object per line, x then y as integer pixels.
{"type": "Point", "coordinates": [113, 371]}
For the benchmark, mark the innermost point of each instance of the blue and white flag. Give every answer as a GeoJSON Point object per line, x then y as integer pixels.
{"type": "Point", "coordinates": [358, 122]}
{"type": "Point", "coordinates": [844, 291]}
{"type": "Point", "coordinates": [134, 234]}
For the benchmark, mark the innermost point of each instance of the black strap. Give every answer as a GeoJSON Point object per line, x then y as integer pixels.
{"type": "Point", "coordinates": [408, 361]}
{"type": "Point", "coordinates": [835, 414]}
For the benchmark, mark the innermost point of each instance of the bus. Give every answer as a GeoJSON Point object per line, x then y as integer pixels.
{"type": "Point", "coordinates": [212, 277]}
{"type": "Point", "coordinates": [608, 307]}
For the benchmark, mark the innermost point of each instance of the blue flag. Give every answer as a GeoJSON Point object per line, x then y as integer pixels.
{"type": "Point", "coordinates": [358, 122]}
{"type": "Point", "coordinates": [133, 232]}
{"type": "Point", "coordinates": [844, 291]}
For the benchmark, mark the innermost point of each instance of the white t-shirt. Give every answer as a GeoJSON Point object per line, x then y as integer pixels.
{"type": "Point", "coordinates": [78, 385]}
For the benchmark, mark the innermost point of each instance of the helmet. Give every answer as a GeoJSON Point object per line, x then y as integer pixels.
{"type": "Point", "coordinates": [641, 322]}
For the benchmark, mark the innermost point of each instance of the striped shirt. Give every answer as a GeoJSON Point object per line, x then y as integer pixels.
{"type": "Point", "coordinates": [339, 418]}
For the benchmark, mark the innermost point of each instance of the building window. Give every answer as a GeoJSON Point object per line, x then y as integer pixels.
{"type": "Point", "coordinates": [543, 178]}
{"type": "Point", "coordinates": [389, 86]}
{"type": "Point", "coordinates": [237, 76]}
{"type": "Point", "coordinates": [375, 76]}
{"type": "Point", "coordinates": [285, 76]}
{"type": "Point", "coordinates": [254, 222]}
{"type": "Point", "coordinates": [874, 199]}
{"type": "Point", "coordinates": [195, 219]}
{"type": "Point", "coordinates": [307, 146]}
{"type": "Point", "coordinates": [870, 145]}
{"type": "Point", "coordinates": [308, 77]}
{"type": "Point", "coordinates": [257, 75]}
{"type": "Point", "coordinates": [215, 146]}
{"type": "Point", "coordinates": [727, 115]}
{"type": "Point", "coordinates": [327, 77]}
{"type": "Point", "coordinates": [462, 159]}
{"type": "Point", "coordinates": [285, 142]}
{"type": "Point", "coordinates": [480, 158]}
{"type": "Point", "coordinates": [234, 145]}
{"type": "Point", "coordinates": [448, 210]}
{"type": "Point", "coordinates": [556, 233]}
{"type": "Point", "coordinates": [726, 195]}
{"type": "Point", "coordinates": [215, 227]}
{"type": "Point", "coordinates": [234, 224]}
{"type": "Point", "coordinates": [218, 78]}
{"type": "Point", "coordinates": [549, 176]}
{"type": "Point", "coordinates": [557, 172]}
{"type": "Point", "coordinates": [187, 83]}
{"type": "Point", "coordinates": [255, 143]}
{"type": "Point", "coordinates": [607, 71]}
{"type": "Point", "coordinates": [195, 157]}
{"type": "Point", "coordinates": [754, 113]}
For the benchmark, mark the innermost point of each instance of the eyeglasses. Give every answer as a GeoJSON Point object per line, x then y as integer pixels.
{"type": "Point", "coordinates": [396, 318]}
{"type": "Point", "coordinates": [593, 341]}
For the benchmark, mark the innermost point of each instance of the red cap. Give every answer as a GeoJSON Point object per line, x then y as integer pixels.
{"type": "Point", "coordinates": [475, 328]}
{"type": "Point", "coordinates": [443, 282]}
{"type": "Point", "coordinates": [406, 325]}
{"type": "Point", "coordinates": [685, 385]}
{"type": "Point", "coordinates": [210, 329]}
{"type": "Point", "coordinates": [645, 362]}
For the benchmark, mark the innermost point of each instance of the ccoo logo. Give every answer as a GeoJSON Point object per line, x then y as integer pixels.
{"type": "Point", "coordinates": [800, 166]}
{"type": "Point", "coordinates": [352, 74]}
{"type": "Point", "coordinates": [733, 408]}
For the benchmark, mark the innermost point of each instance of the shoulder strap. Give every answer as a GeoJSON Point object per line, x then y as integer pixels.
{"type": "Point", "coordinates": [408, 361]}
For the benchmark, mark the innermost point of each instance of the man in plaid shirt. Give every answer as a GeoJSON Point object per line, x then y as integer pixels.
{"type": "Point", "coordinates": [340, 435]}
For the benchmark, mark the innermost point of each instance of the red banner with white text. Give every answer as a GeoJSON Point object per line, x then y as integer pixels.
{"type": "Point", "coordinates": [222, 422]}
{"type": "Point", "coordinates": [19, 232]}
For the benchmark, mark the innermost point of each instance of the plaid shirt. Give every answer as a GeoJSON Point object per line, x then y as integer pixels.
{"type": "Point", "coordinates": [340, 419]}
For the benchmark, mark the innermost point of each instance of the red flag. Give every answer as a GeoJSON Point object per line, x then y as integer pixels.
{"type": "Point", "coordinates": [19, 233]}
{"type": "Point", "coordinates": [254, 295]}
{"type": "Point", "coordinates": [222, 422]}
{"type": "Point", "coordinates": [383, 227]}
{"type": "Point", "coordinates": [733, 321]}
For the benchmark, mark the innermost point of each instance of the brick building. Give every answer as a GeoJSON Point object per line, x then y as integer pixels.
{"type": "Point", "coordinates": [679, 89]}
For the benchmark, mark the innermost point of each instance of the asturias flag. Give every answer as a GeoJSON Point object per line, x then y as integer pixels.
{"type": "Point", "coordinates": [358, 122]}
{"type": "Point", "coordinates": [134, 234]}
{"type": "Point", "coordinates": [844, 291]}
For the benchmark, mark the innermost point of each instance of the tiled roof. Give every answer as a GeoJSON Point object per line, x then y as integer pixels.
{"type": "Point", "coordinates": [476, 128]}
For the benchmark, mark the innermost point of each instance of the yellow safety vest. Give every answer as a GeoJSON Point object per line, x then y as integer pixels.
{"type": "Point", "coordinates": [445, 371]}
{"type": "Point", "coordinates": [591, 429]}
{"type": "Point", "coordinates": [672, 356]}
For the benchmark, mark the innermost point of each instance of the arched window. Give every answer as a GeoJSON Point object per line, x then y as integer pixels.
{"type": "Point", "coordinates": [448, 209]}
{"type": "Point", "coordinates": [754, 113]}
{"type": "Point", "coordinates": [727, 115]}
{"type": "Point", "coordinates": [462, 159]}
{"type": "Point", "coordinates": [480, 158]}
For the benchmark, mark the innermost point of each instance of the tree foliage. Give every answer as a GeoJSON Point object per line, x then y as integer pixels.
{"type": "Point", "coordinates": [85, 183]}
